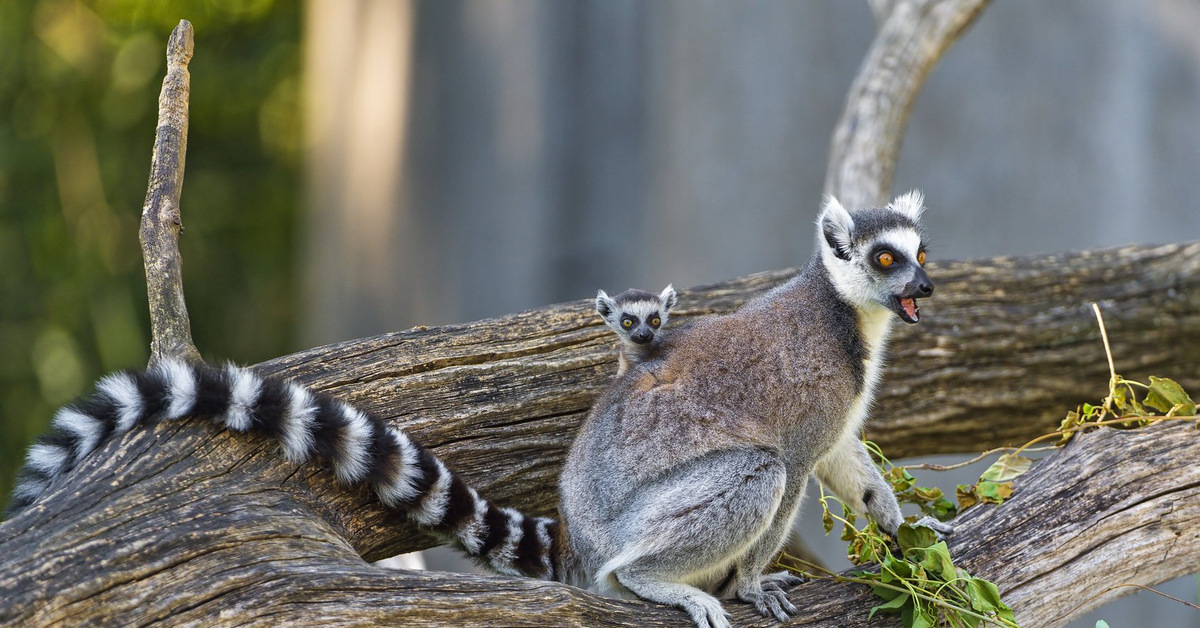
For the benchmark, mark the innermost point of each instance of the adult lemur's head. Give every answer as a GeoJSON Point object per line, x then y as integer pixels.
{"type": "Point", "coordinates": [876, 257]}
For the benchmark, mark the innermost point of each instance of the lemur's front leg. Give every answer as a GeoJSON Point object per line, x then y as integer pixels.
{"type": "Point", "coordinates": [848, 471]}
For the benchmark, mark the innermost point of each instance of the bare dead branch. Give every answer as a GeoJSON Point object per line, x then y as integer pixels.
{"type": "Point", "coordinates": [912, 37]}
{"type": "Point", "coordinates": [171, 334]}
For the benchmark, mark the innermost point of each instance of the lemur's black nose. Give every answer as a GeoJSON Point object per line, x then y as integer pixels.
{"type": "Point", "coordinates": [920, 286]}
{"type": "Point", "coordinates": [641, 337]}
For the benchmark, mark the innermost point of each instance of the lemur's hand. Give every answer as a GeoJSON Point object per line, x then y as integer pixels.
{"type": "Point", "coordinates": [942, 530]}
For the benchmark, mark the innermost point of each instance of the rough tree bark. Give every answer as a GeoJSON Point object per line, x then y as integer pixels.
{"type": "Point", "coordinates": [193, 525]}
{"type": "Point", "coordinates": [161, 219]}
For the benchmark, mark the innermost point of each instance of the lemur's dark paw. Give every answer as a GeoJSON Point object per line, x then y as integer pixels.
{"type": "Point", "coordinates": [942, 530]}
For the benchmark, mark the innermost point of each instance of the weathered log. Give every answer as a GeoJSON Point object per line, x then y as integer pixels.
{"type": "Point", "coordinates": [1113, 507]}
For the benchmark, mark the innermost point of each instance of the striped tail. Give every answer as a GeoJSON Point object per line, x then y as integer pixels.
{"type": "Point", "coordinates": [404, 475]}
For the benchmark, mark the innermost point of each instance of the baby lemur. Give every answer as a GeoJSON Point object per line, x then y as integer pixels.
{"type": "Point", "coordinates": [684, 478]}
{"type": "Point", "coordinates": [637, 317]}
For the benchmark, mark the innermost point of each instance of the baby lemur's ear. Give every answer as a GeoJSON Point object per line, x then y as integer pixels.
{"type": "Point", "coordinates": [668, 297]}
{"type": "Point", "coordinates": [910, 204]}
{"type": "Point", "coordinates": [836, 226]}
{"type": "Point", "coordinates": [604, 304]}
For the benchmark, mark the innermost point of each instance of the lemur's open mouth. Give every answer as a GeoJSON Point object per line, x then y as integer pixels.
{"type": "Point", "coordinates": [907, 308]}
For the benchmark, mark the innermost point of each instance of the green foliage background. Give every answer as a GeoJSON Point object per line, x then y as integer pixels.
{"type": "Point", "coordinates": [79, 86]}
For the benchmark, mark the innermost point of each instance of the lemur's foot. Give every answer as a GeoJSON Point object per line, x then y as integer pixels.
{"type": "Point", "coordinates": [706, 612]}
{"type": "Point", "coordinates": [768, 597]}
{"type": "Point", "coordinates": [781, 580]}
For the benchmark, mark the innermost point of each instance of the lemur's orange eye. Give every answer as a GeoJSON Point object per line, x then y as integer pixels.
{"type": "Point", "coordinates": [627, 323]}
{"type": "Point", "coordinates": [655, 322]}
{"type": "Point", "coordinates": [921, 257]}
{"type": "Point", "coordinates": [885, 259]}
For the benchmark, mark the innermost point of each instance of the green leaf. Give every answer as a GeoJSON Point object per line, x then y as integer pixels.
{"type": "Point", "coordinates": [1006, 468]}
{"type": "Point", "coordinates": [1126, 401]}
{"type": "Point", "coordinates": [984, 596]}
{"type": "Point", "coordinates": [827, 521]}
{"type": "Point", "coordinates": [926, 494]}
{"type": "Point", "coordinates": [891, 606]}
{"type": "Point", "coordinates": [893, 568]}
{"type": "Point", "coordinates": [1165, 395]}
{"type": "Point", "coordinates": [937, 561]}
{"type": "Point", "coordinates": [900, 479]}
{"type": "Point", "coordinates": [910, 536]}
{"type": "Point", "coordinates": [1073, 419]}
{"type": "Point", "coordinates": [922, 618]}
{"type": "Point", "coordinates": [887, 593]}
{"type": "Point", "coordinates": [848, 514]}
{"type": "Point", "coordinates": [943, 509]}
{"type": "Point", "coordinates": [994, 492]}
{"type": "Point", "coordinates": [966, 495]}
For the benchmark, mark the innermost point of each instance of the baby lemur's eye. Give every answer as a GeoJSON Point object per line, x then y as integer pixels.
{"type": "Point", "coordinates": [885, 259]}
{"type": "Point", "coordinates": [655, 322]}
{"type": "Point", "coordinates": [921, 257]}
{"type": "Point", "coordinates": [627, 323]}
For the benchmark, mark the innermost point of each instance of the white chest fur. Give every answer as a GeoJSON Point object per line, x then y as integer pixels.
{"type": "Point", "coordinates": [875, 325]}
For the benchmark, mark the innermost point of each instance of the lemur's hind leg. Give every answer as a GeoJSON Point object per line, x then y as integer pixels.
{"type": "Point", "coordinates": [767, 591]}
{"type": "Point", "coordinates": [686, 532]}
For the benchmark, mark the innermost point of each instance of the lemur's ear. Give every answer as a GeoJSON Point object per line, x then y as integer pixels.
{"type": "Point", "coordinates": [668, 298]}
{"type": "Point", "coordinates": [837, 226]}
{"type": "Point", "coordinates": [910, 204]}
{"type": "Point", "coordinates": [604, 304]}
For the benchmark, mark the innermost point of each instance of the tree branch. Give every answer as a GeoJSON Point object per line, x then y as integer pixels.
{"type": "Point", "coordinates": [912, 36]}
{"type": "Point", "coordinates": [171, 334]}
{"type": "Point", "coordinates": [250, 553]}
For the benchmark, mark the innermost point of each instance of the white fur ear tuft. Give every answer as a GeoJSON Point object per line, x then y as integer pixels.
{"type": "Point", "coordinates": [836, 227]}
{"type": "Point", "coordinates": [911, 204]}
{"type": "Point", "coordinates": [604, 304]}
{"type": "Point", "coordinates": [668, 297]}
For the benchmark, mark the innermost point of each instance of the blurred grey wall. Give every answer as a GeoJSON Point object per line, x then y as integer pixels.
{"type": "Point", "coordinates": [475, 158]}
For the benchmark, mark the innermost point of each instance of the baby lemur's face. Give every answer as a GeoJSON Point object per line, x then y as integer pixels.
{"type": "Point", "coordinates": [877, 256]}
{"type": "Point", "coordinates": [636, 315]}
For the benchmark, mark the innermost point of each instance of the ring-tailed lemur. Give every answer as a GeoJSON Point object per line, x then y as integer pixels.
{"type": "Point", "coordinates": [684, 478]}
{"type": "Point", "coordinates": [637, 317]}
